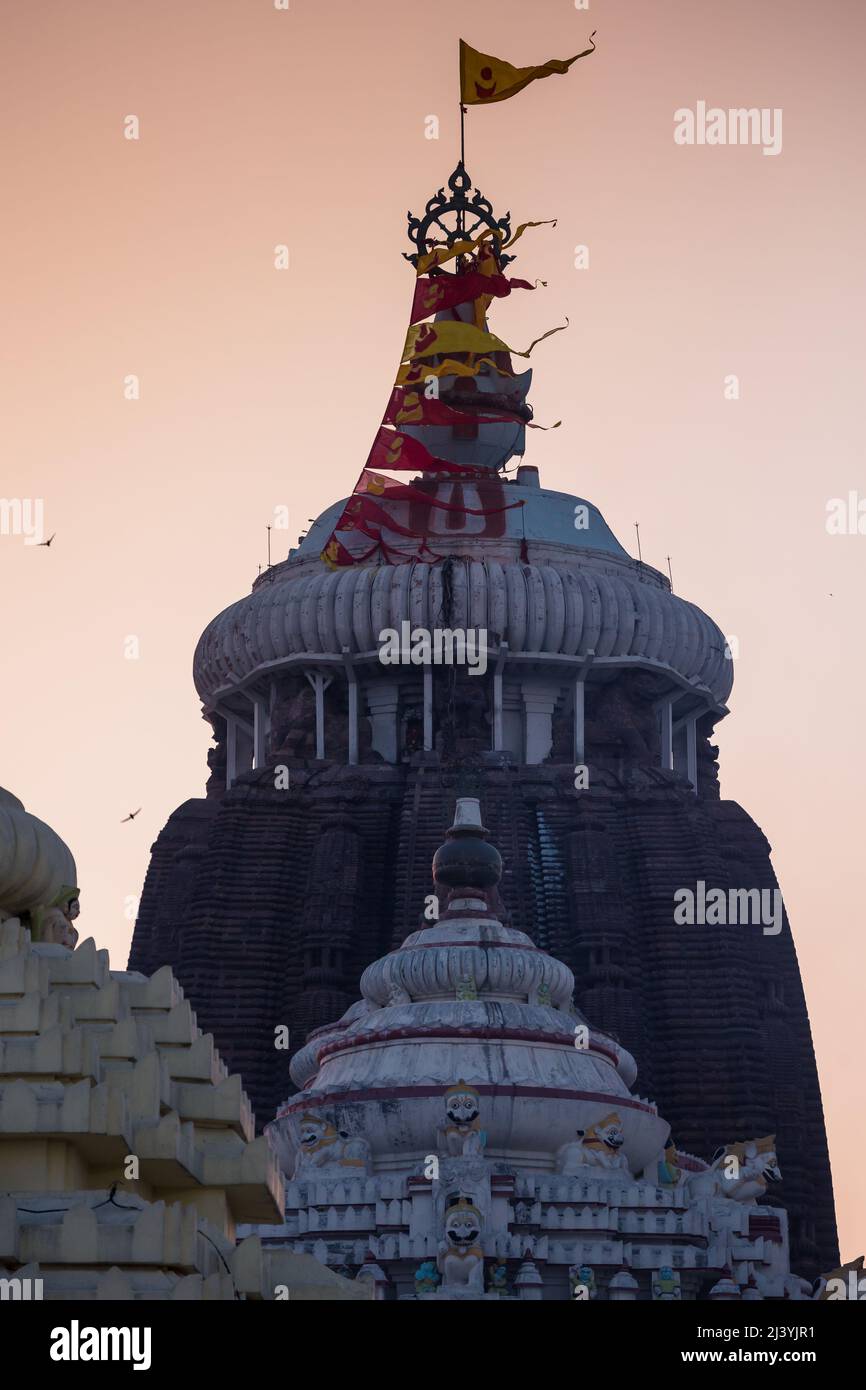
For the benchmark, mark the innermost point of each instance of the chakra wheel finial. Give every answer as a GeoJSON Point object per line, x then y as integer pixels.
{"type": "Point", "coordinates": [449, 218]}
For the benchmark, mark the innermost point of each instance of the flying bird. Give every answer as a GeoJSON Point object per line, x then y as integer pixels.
{"type": "Point", "coordinates": [48, 542]}
{"type": "Point", "coordinates": [132, 815]}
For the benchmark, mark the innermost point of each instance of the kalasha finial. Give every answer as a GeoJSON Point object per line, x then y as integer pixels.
{"type": "Point", "coordinates": [467, 865]}
{"type": "Point", "coordinates": [455, 218]}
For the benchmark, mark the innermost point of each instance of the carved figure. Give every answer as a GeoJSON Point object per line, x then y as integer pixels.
{"type": "Point", "coordinates": [461, 1134]}
{"type": "Point", "coordinates": [465, 988]}
{"type": "Point", "coordinates": [54, 923]}
{"type": "Point", "coordinates": [597, 1147]}
{"type": "Point", "coordinates": [669, 1172]}
{"type": "Point", "coordinates": [426, 1277]}
{"type": "Point", "coordinates": [397, 994]}
{"type": "Point", "coordinates": [582, 1277]}
{"type": "Point", "coordinates": [621, 716]}
{"type": "Point", "coordinates": [666, 1285]}
{"type": "Point", "coordinates": [461, 1258]}
{"type": "Point", "coordinates": [293, 722]}
{"type": "Point", "coordinates": [740, 1172]}
{"type": "Point", "coordinates": [322, 1146]}
{"type": "Point", "coordinates": [746, 1179]}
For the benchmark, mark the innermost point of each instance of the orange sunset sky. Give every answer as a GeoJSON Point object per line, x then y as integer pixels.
{"type": "Point", "coordinates": [262, 388]}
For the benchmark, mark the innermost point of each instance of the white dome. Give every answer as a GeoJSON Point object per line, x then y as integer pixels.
{"type": "Point", "coordinates": [431, 963]}
{"type": "Point", "coordinates": [35, 862]}
{"type": "Point", "coordinates": [419, 1033]}
{"type": "Point", "coordinates": [570, 608]}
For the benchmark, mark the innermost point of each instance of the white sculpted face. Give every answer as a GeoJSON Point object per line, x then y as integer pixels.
{"type": "Point", "coordinates": [462, 1229]}
{"type": "Point", "coordinates": [770, 1170]}
{"type": "Point", "coordinates": [754, 1162]}
{"type": "Point", "coordinates": [757, 1164]}
{"type": "Point", "coordinates": [311, 1132]}
{"type": "Point", "coordinates": [462, 1108]}
{"type": "Point", "coordinates": [612, 1137]}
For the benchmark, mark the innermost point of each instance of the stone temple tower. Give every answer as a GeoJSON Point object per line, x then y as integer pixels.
{"type": "Point", "coordinates": [533, 1171]}
{"type": "Point", "coordinates": [583, 723]}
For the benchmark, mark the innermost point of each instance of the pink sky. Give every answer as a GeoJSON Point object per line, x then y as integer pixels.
{"type": "Point", "coordinates": [262, 388]}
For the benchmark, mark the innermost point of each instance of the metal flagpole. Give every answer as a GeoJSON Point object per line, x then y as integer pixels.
{"type": "Point", "coordinates": [461, 225]}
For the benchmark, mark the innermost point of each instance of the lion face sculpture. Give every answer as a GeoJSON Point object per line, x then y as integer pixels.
{"type": "Point", "coordinates": [770, 1170]}
{"type": "Point", "coordinates": [607, 1134]}
{"type": "Point", "coordinates": [313, 1132]}
{"type": "Point", "coordinates": [756, 1159]}
{"type": "Point", "coordinates": [462, 1226]}
{"type": "Point", "coordinates": [322, 1146]}
{"type": "Point", "coordinates": [461, 1105]}
{"type": "Point", "coordinates": [744, 1170]}
{"type": "Point", "coordinates": [461, 1258]}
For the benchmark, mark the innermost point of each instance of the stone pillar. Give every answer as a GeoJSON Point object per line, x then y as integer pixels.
{"type": "Point", "coordinates": [428, 709]}
{"type": "Point", "coordinates": [320, 684]}
{"type": "Point", "coordinates": [692, 753]}
{"type": "Point", "coordinates": [383, 699]}
{"type": "Point", "coordinates": [260, 729]}
{"type": "Point", "coordinates": [239, 746]}
{"type": "Point", "coordinates": [666, 711]}
{"type": "Point", "coordinates": [498, 729]}
{"type": "Point", "coordinates": [513, 739]}
{"type": "Point", "coordinates": [539, 701]}
{"type": "Point", "coordinates": [579, 723]}
{"type": "Point", "coordinates": [231, 750]}
{"type": "Point", "coordinates": [244, 746]}
{"type": "Point", "coordinates": [352, 680]}
{"type": "Point", "coordinates": [680, 759]}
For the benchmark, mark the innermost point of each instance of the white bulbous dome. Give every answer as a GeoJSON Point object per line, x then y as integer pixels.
{"type": "Point", "coordinates": [467, 998]}
{"type": "Point", "coordinates": [581, 594]}
{"type": "Point", "coordinates": [35, 864]}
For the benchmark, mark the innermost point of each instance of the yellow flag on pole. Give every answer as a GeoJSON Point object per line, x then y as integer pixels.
{"type": "Point", "coordinates": [484, 78]}
{"type": "Point", "coordinates": [446, 336]}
